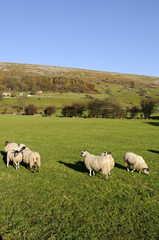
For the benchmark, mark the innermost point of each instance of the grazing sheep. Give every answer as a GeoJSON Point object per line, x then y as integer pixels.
{"type": "Point", "coordinates": [136, 161]}
{"type": "Point", "coordinates": [31, 158]}
{"type": "Point", "coordinates": [98, 163]}
{"type": "Point", "coordinates": [15, 156]}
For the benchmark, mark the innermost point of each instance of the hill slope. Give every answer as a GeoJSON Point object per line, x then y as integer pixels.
{"type": "Point", "coordinates": [28, 70]}
{"type": "Point", "coordinates": [127, 88]}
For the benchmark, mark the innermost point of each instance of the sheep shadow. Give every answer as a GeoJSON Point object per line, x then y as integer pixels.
{"type": "Point", "coordinates": [4, 155]}
{"type": "Point", "coordinates": [25, 165]}
{"type": "Point", "coordinates": [153, 151]}
{"type": "Point", "coordinates": [77, 166]}
{"type": "Point", "coordinates": [117, 165]}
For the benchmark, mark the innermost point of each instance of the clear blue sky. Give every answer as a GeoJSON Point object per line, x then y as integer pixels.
{"type": "Point", "coordinates": [108, 35]}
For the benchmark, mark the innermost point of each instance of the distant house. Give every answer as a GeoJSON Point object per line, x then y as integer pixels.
{"type": "Point", "coordinates": [6, 94]}
{"type": "Point", "coordinates": [39, 92]}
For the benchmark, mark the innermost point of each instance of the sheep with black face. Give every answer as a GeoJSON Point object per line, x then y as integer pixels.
{"type": "Point", "coordinates": [15, 156]}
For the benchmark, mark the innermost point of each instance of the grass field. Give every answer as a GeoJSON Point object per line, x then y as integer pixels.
{"type": "Point", "coordinates": [62, 201]}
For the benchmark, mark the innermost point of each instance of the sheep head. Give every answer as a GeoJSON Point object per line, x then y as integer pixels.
{"type": "Point", "coordinates": [146, 170]}
{"type": "Point", "coordinates": [83, 153]}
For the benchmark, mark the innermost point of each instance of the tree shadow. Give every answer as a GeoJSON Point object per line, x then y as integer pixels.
{"type": "Point", "coordinates": [153, 123]}
{"type": "Point", "coordinates": [77, 166]}
{"type": "Point", "coordinates": [153, 151]}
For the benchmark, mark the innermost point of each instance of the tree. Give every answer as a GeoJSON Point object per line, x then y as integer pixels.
{"type": "Point", "coordinates": [49, 110]}
{"type": "Point", "coordinates": [1, 96]}
{"type": "Point", "coordinates": [30, 109]}
{"type": "Point", "coordinates": [147, 107]}
{"type": "Point", "coordinates": [21, 102]}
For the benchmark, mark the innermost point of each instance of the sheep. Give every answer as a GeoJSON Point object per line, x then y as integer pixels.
{"type": "Point", "coordinates": [15, 156]}
{"type": "Point", "coordinates": [105, 154]}
{"type": "Point", "coordinates": [136, 161]}
{"type": "Point", "coordinates": [8, 145]}
{"type": "Point", "coordinates": [31, 158]}
{"type": "Point", "coordinates": [98, 163]}
{"type": "Point", "coordinates": [12, 146]}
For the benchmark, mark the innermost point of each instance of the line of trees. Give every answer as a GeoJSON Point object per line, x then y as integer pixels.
{"type": "Point", "coordinates": [40, 83]}
{"type": "Point", "coordinates": [109, 109]}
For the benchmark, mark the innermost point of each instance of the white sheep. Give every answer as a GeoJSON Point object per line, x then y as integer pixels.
{"type": "Point", "coordinates": [98, 163]}
{"type": "Point", "coordinates": [31, 158]}
{"type": "Point", "coordinates": [15, 156]}
{"type": "Point", "coordinates": [105, 154]}
{"type": "Point", "coordinates": [8, 145]}
{"type": "Point", "coordinates": [136, 161]}
{"type": "Point", "coordinates": [12, 146]}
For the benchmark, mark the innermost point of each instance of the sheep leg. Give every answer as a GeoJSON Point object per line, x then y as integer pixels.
{"type": "Point", "coordinates": [133, 170]}
{"type": "Point", "coordinates": [128, 166]}
{"type": "Point", "coordinates": [90, 173]}
{"type": "Point", "coordinates": [32, 169]}
{"type": "Point", "coordinates": [107, 173]}
{"type": "Point", "coordinates": [37, 169]}
{"type": "Point", "coordinates": [16, 166]}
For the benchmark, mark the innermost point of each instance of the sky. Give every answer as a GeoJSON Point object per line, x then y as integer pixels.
{"type": "Point", "coordinates": [104, 35]}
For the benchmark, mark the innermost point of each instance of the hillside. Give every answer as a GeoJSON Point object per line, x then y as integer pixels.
{"type": "Point", "coordinates": [127, 88]}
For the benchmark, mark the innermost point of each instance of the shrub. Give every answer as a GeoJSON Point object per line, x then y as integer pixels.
{"type": "Point", "coordinates": [31, 109]}
{"type": "Point", "coordinates": [133, 111]}
{"type": "Point", "coordinates": [111, 109]}
{"type": "Point", "coordinates": [105, 109]}
{"type": "Point", "coordinates": [49, 110]}
{"type": "Point", "coordinates": [94, 108]}
{"type": "Point", "coordinates": [76, 110]}
{"type": "Point", "coordinates": [67, 111]}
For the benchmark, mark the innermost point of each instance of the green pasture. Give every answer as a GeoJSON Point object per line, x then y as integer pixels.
{"type": "Point", "coordinates": [62, 201]}
{"type": "Point", "coordinates": [125, 96]}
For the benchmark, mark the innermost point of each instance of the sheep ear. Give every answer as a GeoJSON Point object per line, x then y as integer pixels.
{"type": "Point", "coordinates": [6, 143]}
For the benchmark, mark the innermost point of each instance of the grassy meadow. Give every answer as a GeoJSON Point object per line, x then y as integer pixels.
{"type": "Point", "coordinates": [62, 201]}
